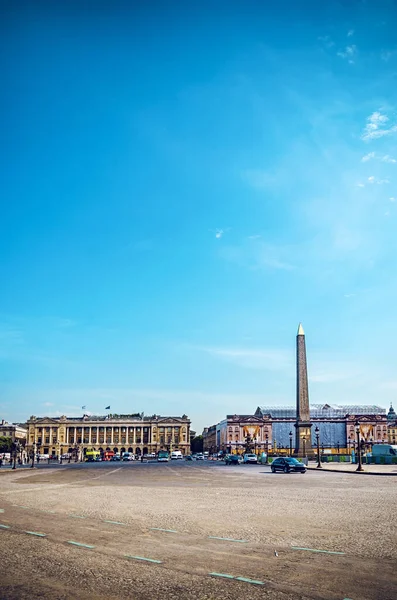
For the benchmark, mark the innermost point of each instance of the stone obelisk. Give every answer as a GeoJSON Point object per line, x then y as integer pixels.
{"type": "Point", "coordinates": [303, 442]}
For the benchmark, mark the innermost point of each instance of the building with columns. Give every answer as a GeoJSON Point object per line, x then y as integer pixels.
{"type": "Point", "coordinates": [272, 429]}
{"type": "Point", "coordinates": [232, 434]}
{"type": "Point", "coordinates": [134, 433]}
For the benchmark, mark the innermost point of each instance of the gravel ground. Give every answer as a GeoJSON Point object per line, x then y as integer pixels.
{"type": "Point", "coordinates": [350, 514]}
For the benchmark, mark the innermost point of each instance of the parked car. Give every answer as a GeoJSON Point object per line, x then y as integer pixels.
{"type": "Point", "coordinates": [188, 457]}
{"type": "Point", "coordinates": [250, 458]}
{"type": "Point", "coordinates": [199, 456]}
{"type": "Point", "coordinates": [116, 457]}
{"type": "Point", "coordinates": [233, 459]}
{"type": "Point", "coordinates": [127, 456]}
{"type": "Point", "coordinates": [176, 455]}
{"type": "Point", "coordinates": [287, 465]}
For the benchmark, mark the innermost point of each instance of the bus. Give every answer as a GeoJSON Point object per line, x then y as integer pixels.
{"type": "Point", "coordinates": [163, 456]}
{"type": "Point", "coordinates": [92, 455]}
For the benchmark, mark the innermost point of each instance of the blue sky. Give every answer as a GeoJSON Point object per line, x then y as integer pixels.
{"type": "Point", "coordinates": [182, 184]}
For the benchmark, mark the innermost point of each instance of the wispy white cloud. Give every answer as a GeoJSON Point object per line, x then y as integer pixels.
{"type": "Point", "coordinates": [388, 159]}
{"type": "Point", "coordinates": [326, 41]}
{"type": "Point", "coordinates": [371, 155]}
{"type": "Point", "coordinates": [331, 372]}
{"type": "Point", "coordinates": [257, 255]}
{"type": "Point", "coordinates": [392, 199]}
{"type": "Point", "coordinates": [219, 232]}
{"type": "Point", "coordinates": [349, 295]}
{"type": "Point", "coordinates": [350, 32]}
{"type": "Point", "coordinates": [361, 185]}
{"type": "Point", "coordinates": [349, 53]}
{"type": "Point", "coordinates": [373, 179]}
{"type": "Point", "coordinates": [387, 54]}
{"type": "Point", "coordinates": [377, 127]}
{"type": "Point", "coordinates": [254, 358]}
{"type": "Point", "coordinates": [254, 237]}
{"type": "Point", "coordinates": [258, 178]}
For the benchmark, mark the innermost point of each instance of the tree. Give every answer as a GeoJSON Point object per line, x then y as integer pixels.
{"type": "Point", "coordinates": [5, 444]}
{"type": "Point", "coordinates": [196, 445]}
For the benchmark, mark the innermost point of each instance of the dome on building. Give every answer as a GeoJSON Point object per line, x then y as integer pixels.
{"type": "Point", "coordinates": [391, 415]}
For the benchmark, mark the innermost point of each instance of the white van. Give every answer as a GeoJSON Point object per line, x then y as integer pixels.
{"type": "Point", "coordinates": [176, 455]}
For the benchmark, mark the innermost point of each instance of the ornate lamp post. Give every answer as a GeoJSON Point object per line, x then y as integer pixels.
{"type": "Point", "coordinates": [338, 445]}
{"type": "Point", "coordinates": [304, 446]}
{"type": "Point", "coordinates": [357, 426]}
{"type": "Point", "coordinates": [255, 444]}
{"type": "Point", "coordinates": [267, 448]}
{"type": "Point", "coordinates": [290, 443]}
{"type": "Point", "coordinates": [317, 432]}
{"type": "Point", "coordinates": [33, 454]}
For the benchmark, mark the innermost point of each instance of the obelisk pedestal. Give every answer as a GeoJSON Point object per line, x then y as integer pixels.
{"type": "Point", "coordinates": [303, 441]}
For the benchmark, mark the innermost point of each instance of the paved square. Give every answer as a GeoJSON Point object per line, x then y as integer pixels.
{"type": "Point", "coordinates": [196, 530]}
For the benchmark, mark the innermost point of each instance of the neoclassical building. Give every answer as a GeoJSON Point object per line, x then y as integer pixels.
{"type": "Point", "coordinates": [272, 429]}
{"type": "Point", "coordinates": [16, 432]}
{"type": "Point", "coordinates": [134, 433]}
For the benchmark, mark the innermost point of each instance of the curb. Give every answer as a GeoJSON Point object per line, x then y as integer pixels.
{"type": "Point", "coordinates": [17, 470]}
{"type": "Point", "coordinates": [352, 472]}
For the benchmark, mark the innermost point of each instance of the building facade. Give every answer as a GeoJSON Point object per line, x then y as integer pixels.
{"type": "Point", "coordinates": [134, 433]}
{"type": "Point", "coordinates": [16, 432]}
{"type": "Point", "coordinates": [209, 439]}
{"type": "Point", "coordinates": [336, 425]}
{"type": "Point", "coordinates": [272, 429]}
{"type": "Point", "coordinates": [236, 431]}
{"type": "Point", "coordinates": [392, 426]}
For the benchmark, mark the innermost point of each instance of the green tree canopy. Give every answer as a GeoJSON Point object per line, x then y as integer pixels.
{"type": "Point", "coordinates": [5, 444]}
{"type": "Point", "coordinates": [196, 445]}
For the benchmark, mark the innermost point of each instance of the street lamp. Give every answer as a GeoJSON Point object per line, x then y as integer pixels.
{"type": "Point", "coordinates": [304, 446]}
{"type": "Point", "coordinates": [267, 448]}
{"type": "Point", "coordinates": [290, 443]}
{"type": "Point", "coordinates": [357, 426]}
{"type": "Point", "coordinates": [33, 454]}
{"type": "Point", "coordinates": [338, 445]}
{"type": "Point", "coordinates": [317, 432]}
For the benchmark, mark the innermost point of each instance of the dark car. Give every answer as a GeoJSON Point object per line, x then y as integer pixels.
{"type": "Point", "coordinates": [287, 465]}
{"type": "Point", "coordinates": [232, 459]}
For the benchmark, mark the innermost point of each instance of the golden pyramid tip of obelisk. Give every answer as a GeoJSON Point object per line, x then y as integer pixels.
{"type": "Point", "coordinates": [300, 330]}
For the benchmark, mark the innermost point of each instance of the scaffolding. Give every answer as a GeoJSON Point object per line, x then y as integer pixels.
{"type": "Point", "coordinates": [327, 411]}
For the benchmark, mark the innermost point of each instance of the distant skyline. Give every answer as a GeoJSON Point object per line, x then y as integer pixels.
{"type": "Point", "coordinates": [183, 183]}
